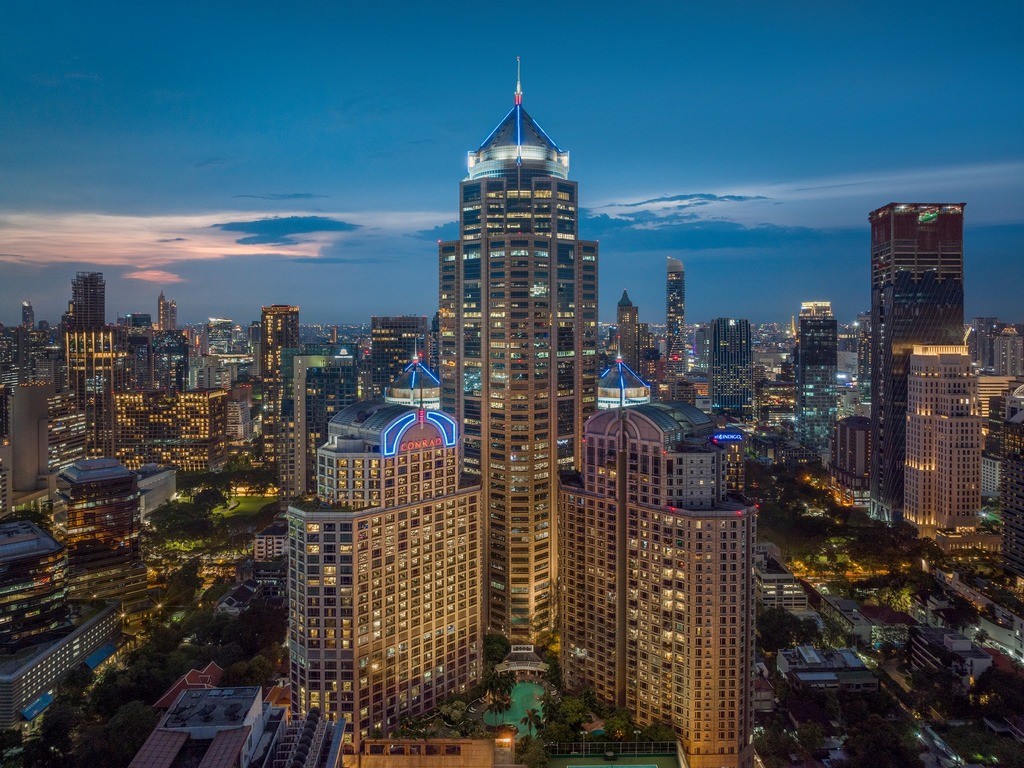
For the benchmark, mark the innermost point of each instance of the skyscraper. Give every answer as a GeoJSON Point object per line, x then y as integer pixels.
{"type": "Point", "coordinates": [730, 367]}
{"type": "Point", "coordinates": [917, 297]}
{"type": "Point", "coordinates": [219, 332]}
{"type": "Point", "coordinates": [279, 331]}
{"type": "Point", "coordinates": [1011, 484]}
{"type": "Point", "coordinates": [816, 359]}
{"type": "Point", "coordinates": [28, 315]}
{"type": "Point", "coordinates": [170, 360]}
{"type": "Point", "coordinates": [88, 308]}
{"type": "Point", "coordinates": [943, 441]}
{"type": "Point", "coordinates": [864, 356]}
{"type": "Point", "coordinates": [518, 327]}
{"type": "Point", "coordinates": [656, 596]}
{"type": "Point", "coordinates": [394, 341]}
{"type": "Point", "coordinates": [186, 430]}
{"type": "Point", "coordinates": [627, 319]}
{"type": "Point", "coordinates": [676, 353]}
{"type": "Point", "coordinates": [166, 313]}
{"type": "Point", "coordinates": [96, 360]}
{"type": "Point", "coordinates": [33, 585]}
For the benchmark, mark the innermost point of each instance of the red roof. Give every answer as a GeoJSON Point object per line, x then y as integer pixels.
{"type": "Point", "coordinates": [226, 748]}
{"type": "Point", "coordinates": [160, 749]}
{"type": "Point", "coordinates": [193, 680]}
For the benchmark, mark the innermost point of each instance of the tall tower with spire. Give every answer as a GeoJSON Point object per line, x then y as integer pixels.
{"type": "Point", "coordinates": [627, 317]}
{"type": "Point", "coordinates": [518, 329]}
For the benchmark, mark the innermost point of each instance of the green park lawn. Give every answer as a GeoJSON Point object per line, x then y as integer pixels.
{"type": "Point", "coordinates": [241, 506]}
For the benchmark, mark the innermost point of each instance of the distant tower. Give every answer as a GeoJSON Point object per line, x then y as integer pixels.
{"type": "Point", "coordinates": [166, 313]}
{"type": "Point", "coordinates": [393, 342]}
{"type": "Point", "coordinates": [279, 331]}
{"type": "Point", "coordinates": [88, 301]}
{"type": "Point", "coordinates": [816, 358]}
{"type": "Point", "coordinates": [917, 297]}
{"type": "Point", "coordinates": [731, 372]}
{"type": "Point", "coordinates": [28, 315]}
{"type": "Point", "coordinates": [1008, 348]}
{"type": "Point", "coordinates": [628, 319]}
{"type": "Point", "coordinates": [676, 354]}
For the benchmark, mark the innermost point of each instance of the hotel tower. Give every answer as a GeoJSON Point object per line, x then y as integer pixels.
{"type": "Point", "coordinates": [518, 327]}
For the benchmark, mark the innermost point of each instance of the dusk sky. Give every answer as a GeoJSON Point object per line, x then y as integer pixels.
{"type": "Point", "coordinates": [237, 154]}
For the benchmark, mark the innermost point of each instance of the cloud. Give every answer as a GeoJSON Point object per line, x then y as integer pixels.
{"type": "Point", "coordinates": [278, 230]}
{"type": "Point", "coordinates": [172, 240]}
{"type": "Point", "coordinates": [284, 196]}
{"type": "Point", "coordinates": [446, 231]}
{"type": "Point", "coordinates": [211, 161]}
{"type": "Point", "coordinates": [154, 276]}
{"type": "Point", "coordinates": [698, 198]}
{"type": "Point", "coordinates": [338, 260]}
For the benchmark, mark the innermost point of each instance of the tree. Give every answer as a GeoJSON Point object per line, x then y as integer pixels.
{"type": "Point", "coordinates": [496, 648]}
{"type": "Point", "coordinates": [530, 752]}
{"type": "Point", "coordinates": [777, 628]}
{"type": "Point", "coordinates": [876, 743]}
{"type": "Point", "coordinates": [183, 584]}
{"type": "Point", "coordinates": [114, 743]}
{"type": "Point", "coordinates": [532, 720]}
{"type": "Point", "coordinates": [810, 736]}
{"type": "Point", "coordinates": [499, 705]}
{"type": "Point", "coordinates": [618, 726]}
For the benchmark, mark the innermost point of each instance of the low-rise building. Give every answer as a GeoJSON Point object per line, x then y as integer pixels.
{"type": "Point", "coordinates": [425, 753]}
{"type": "Point", "coordinates": [942, 649]}
{"type": "Point", "coordinates": [29, 679]}
{"type": "Point", "coordinates": [157, 486]}
{"type": "Point", "coordinates": [839, 670]}
{"type": "Point", "coordinates": [775, 586]}
{"type": "Point", "coordinates": [846, 614]}
{"type": "Point", "coordinates": [271, 542]}
{"type": "Point", "coordinates": [215, 728]}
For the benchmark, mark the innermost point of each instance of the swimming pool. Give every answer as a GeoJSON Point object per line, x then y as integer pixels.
{"type": "Point", "coordinates": [525, 696]}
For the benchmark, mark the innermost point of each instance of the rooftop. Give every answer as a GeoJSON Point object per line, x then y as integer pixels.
{"type": "Point", "coordinates": [24, 539]}
{"type": "Point", "coordinates": [212, 708]}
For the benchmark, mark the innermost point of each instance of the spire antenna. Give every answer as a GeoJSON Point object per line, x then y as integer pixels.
{"type": "Point", "coordinates": [519, 83]}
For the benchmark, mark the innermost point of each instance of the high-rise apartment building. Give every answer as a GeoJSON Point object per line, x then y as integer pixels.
{"type": "Point", "coordinates": [386, 582]}
{"type": "Point", "coordinates": [1008, 353]}
{"type": "Point", "coordinates": [101, 500]}
{"type": "Point", "coordinates": [917, 297]}
{"type": "Point", "coordinates": [730, 367]}
{"type": "Point", "coordinates": [981, 340]}
{"type": "Point", "coordinates": [816, 358]}
{"type": "Point", "coordinates": [33, 585]}
{"type": "Point", "coordinates": [279, 330]}
{"type": "Point", "coordinates": [627, 320]}
{"type": "Point", "coordinates": [394, 341]}
{"type": "Point", "coordinates": [166, 313]}
{"type": "Point", "coordinates": [656, 595]}
{"type": "Point", "coordinates": [518, 327]}
{"type": "Point", "coordinates": [28, 315]}
{"type": "Point", "coordinates": [943, 441]}
{"type": "Point", "coordinates": [185, 430]}
{"type": "Point", "coordinates": [676, 348]}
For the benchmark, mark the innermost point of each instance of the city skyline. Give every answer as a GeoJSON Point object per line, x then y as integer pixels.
{"type": "Point", "coordinates": [279, 176]}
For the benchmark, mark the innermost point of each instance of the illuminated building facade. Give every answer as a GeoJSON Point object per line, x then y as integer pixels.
{"type": "Point", "coordinates": [33, 585]}
{"type": "Point", "coordinates": [279, 330]}
{"type": "Point", "coordinates": [1011, 485]}
{"type": "Point", "coordinates": [385, 571]}
{"type": "Point", "coordinates": [394, 341]}
{"type": "Point", "coordinates": [185, 430]}
{"type": "Point", "coordinates": [1008, 349]}
{"type": "Point", "coordinates": [656, 593]}
{"type": "Point", "coordinates": [850, 467]}
{"type": "Point", "coordinates": [219, 336]}
{"type": "Point", "coordinates": [730, 368]}
{"type": "Point", "coordinates": [775, 404]}
{"type": "Point", "coordinates": [816, 359]}
{"type": "Point", "coordinates": [917, 297]}
{"type": "Point", "coordinates": [518, 329]}
{"type": "Point", "coordinates": [677, 354]}
{"type": "Point", "coordinates": [101, 500]}
{"type": "Point", "coordinates": [943, 441]}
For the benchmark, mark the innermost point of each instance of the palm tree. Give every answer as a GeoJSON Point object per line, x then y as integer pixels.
{"type": "Point", "coordinates": [532, 720]}
{"type": "Point", "coordinates": [499, 706]}
{"type": "Point", "coordinates": [547, 705]}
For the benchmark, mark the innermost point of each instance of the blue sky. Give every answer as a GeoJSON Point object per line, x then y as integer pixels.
{"type": "Point", "coordinates": [241, 153]}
